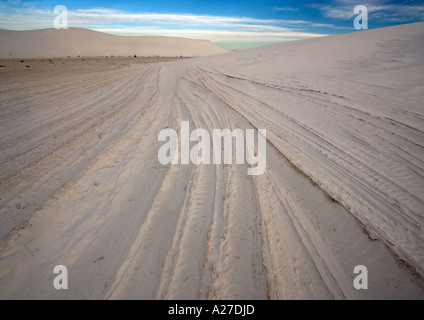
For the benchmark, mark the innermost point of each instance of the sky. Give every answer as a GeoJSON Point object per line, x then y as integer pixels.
{"type": "Point", "coordinates": [233, 24]}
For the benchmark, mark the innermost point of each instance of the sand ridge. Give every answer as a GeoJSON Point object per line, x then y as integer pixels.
{"type": "Point", "coordinates": [74, 42]}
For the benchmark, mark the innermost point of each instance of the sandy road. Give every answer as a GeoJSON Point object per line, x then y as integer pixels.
{"type": "Point", "coordinates": [81, 186]}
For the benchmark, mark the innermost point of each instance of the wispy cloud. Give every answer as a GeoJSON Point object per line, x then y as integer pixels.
{"type": "Point", "coordinates": [221, 29]}
{"type": "Point", "coordinates": [109, 16]}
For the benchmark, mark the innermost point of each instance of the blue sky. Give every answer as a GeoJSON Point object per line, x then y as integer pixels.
{"type": "Point", "coordinates": [234, 24]}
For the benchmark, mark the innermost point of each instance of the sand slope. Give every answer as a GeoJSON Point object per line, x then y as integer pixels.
{"type": "Point", "coordinates": [82, 185]}
{"type": "Point", "coordinates": [49, 43]}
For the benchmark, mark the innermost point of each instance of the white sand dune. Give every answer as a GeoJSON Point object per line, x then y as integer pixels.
{"type": "Point", "coordinates": [82, 185]}
{"type": "Point", "coordinates": [52, 43]}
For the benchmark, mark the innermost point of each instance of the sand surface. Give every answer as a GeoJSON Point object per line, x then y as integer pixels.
{"type": "Point", "coordinates": [81, 184]}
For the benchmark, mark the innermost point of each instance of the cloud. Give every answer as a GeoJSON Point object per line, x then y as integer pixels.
{"type": "Point", "coordinates": [108, 15]}
{"type": "Point", "coordinates": [291, 9]}
{"type": "Point", "coordinates": [185, 20]}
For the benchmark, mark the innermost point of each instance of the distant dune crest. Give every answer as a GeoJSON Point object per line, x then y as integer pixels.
{"type": "Point", "coordinates": [52, 43]}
